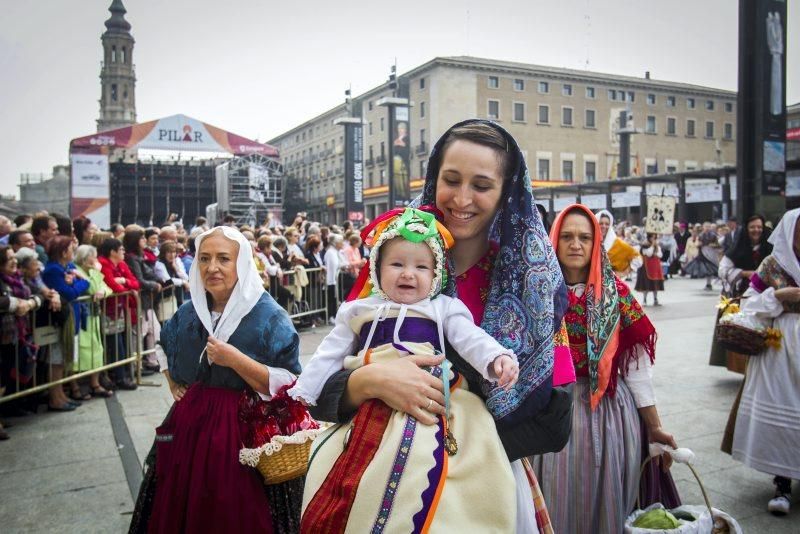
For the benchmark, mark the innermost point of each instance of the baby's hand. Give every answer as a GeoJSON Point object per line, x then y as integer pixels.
{"type": "Point", "coordinates": [507, 371]}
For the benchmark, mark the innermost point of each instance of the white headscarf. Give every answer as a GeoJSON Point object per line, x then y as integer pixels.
{"type": "Point", "coordinates": [246, 292]}
{"type": "Point", "coordinates": [611, 235]}
{"type": "Point", "coordinates": [782, 240]}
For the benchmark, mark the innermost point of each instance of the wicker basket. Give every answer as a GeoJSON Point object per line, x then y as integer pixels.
{"type": "Point", "coordinates": [283, 458]}
{"type": "Point", "coordinates": [741, 339]}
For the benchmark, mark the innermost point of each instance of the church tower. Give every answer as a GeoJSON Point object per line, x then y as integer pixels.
{"type": "Point", "coordinates": [117, 76]}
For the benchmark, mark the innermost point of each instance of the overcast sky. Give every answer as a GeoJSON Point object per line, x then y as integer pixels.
{"type": "Point", "coordinates": [258, 68]}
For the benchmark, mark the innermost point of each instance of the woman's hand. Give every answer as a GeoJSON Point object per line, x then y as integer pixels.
{"type": "Point", "coordinates": [23, 307]}
{"type": "Point", "coordinates": [659, 435]}
{"type": "Point", "coordinates": [788, 294]}
{"type": "Point", "coordinates": [69, 278]}
{"type": "Point", "coordinates": [221, 353]}
{"type": "Point", "coordinates": [55, 301]}
{"type": "Point", "coordinates": [402, 385]}
{"type": "Point", "coordinates": [121, 280]}
{"type": "Point", "coordinates": [99, 295]}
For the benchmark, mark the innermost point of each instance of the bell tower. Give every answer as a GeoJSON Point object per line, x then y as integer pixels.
{"type": "Point", "coordinates": [117, 73]}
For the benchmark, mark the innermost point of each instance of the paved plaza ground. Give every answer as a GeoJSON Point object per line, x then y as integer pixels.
{"type": "Point", "coordinates": [76, 472]}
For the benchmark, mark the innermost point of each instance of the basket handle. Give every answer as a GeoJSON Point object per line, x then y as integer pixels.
{"type": "Point", "coordinates": [680, 455]}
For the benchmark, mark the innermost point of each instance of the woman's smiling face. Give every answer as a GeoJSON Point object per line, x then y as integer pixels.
{"type": "Point", "coordinates": [468, 188]}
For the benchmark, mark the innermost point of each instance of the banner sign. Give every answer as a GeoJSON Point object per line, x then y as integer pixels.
{"type": "Point", "coordinates": [660, 215]}
{"type": "Point", "coordinates": [594, 202]}
{"type": "Point", "coordinates": [258, 178]}
{"type": "Point", "coordinates": [89, 188]}
{"type": "Point", "coordinates": [178, 133]}
{"type": "Point", "coordinates": [703, 193]}
{"type": "Point", "coordinates": [626, 199]}
{"type": "Point", "coordinates": [399, 157]}
{"type": "Point", "coordinates": [354, 172]}
{"type": "Point", "coordinates": [560, 203]}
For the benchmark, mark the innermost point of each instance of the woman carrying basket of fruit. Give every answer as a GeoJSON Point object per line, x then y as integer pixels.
{"type": "Point", "coordinates": [216, 351]}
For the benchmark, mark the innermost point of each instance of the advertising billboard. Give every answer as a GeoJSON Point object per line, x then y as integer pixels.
{"type": "Point", "coordinates": [89, 188]}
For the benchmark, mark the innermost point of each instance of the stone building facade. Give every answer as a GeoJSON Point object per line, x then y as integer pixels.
{"type": "Point", "coordinates": [563, 119]}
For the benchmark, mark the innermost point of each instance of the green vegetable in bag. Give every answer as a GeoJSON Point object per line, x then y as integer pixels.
{"type": "Point", "coordinates": [658, 519]}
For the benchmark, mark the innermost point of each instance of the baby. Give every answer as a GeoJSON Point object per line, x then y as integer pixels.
{"type": "Point", "coordinates": [401, 311]}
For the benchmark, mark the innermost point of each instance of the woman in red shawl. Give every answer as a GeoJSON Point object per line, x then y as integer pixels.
{"type": "Point", "coordinates": [591, 485]}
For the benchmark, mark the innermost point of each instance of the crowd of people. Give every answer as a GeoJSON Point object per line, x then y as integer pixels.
{"type": "Point", "coordinates": [512, 352]}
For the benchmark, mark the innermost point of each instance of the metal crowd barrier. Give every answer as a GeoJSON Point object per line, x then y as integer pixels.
{"type": "Point", "coordinates": [51, 340]}
{"type": "Point", "coordinates": [303, 294]}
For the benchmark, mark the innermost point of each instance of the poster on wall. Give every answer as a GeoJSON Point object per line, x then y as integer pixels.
{"type": "Point", "coordinates": [89, 188]}
{"type": "Point", "coordinates": [399, 157]}
{"type": "Point", "coordinates": [354, 172]}
{"type": "Point", "coordinates": [660, 215]}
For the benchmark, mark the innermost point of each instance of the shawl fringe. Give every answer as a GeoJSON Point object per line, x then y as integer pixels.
{"type": "Point", "coordinates": [639, 334]}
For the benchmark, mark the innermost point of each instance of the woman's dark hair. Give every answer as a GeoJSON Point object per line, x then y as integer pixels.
{"type": "Point", "coordinates": [191, 245]}
{"type": "Point", "coordinates": [166, 246]}
{"type": "Point", "coordinates": [64, 224]}
{"type": "Point", "coordinates": [150, 232]}
{"type": "Point", "coordinates": [108, 246]}
{"type": "Point", "coordinates": [483, 134]}
{"type": "Point", "coordinates": [79, 226]}
{"type": "Point", "coordinates": [57, 246]}
{"type": "Point", "coordinates": [543, 214]}
{"type": "Point", "coordinates": [131, 241]}
{"type": "Point", "coordinates": [116, 227]}
{"type": "Point", "coordinates": [312, 243]}
{"type": "Point", "coordinates": [4, 254]}
{"type": "Point", "coordinates": [741, 253]}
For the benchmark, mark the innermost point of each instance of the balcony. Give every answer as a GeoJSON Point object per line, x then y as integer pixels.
{"type": "Point", "coordinates": [422, 148]}
{"type": "Point", "coordinates": [370, 162]}
{"type": "Point", "coordinates": [381, 160]}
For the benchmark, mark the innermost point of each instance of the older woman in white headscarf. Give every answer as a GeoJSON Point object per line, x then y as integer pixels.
{"type": "Point", "coordinates": [231, 340]}
{"type": "Point", "coordinates": [623, 257]}
{"type": "Point", "coordinates": [767, 432]}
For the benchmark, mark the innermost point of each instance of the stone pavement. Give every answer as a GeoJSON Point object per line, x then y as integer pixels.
{"type": "Point", "coordinates": [76, 471]}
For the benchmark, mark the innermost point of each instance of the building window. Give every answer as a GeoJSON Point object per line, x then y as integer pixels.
{"type": "Point", "coordinates": [544, 114]}
{"type": "Point", "coordinates": [381, 123]}
{"type": "Point", "coordinates": [631, 96]}
{"type": "Point", "coordinates": [728, 107]}
{"type": "Point", "coordinates": [369, 105]}
{"type": "Point", "coordinates": [519, 112]}
{"type": "Point", "coordinates": [383, 149]}
{"type": "Point", "coordinates": [690, 103]}
{"type": "Point", "coordinates": [650, 127]}
{"type": "Point", "coordinates": [371, 155]}
{"type": "Point", "coordinates": [590, 92]}
{"type": "Point", "coordinates": [671, 169]}
{"type": "Point", "coordinates": [727, 131]}
{"type": "Point", "coordinates": [422, 135]}
{"type": "Point", "coordinates": [544, 87]}
{"type": "Point", "coordinates": [494, 82]}
{"type": "Point", "coordinates": [113, 92]}
{"type": "Point", "coordinates": [670, 125]}
{"type": "Point", "coordinates": [670, 101]}
{"type": "Point", "coordinates": [519, 85]}
{"type": "Point", "coordinates": [590, 122]}
{"type": "Point", "coordinates": [113, 54]}
{"type": "Point", "coordinates": [422, 110]}
{"type": "Point", "coordinates": [651, 99]}
{"type": "Point", "coordinates": [567, 170]}
{"type": "Point", "coordinates": [369, 128]}
{"type": "Point", "coordinates": [690, 128]}
{"type": "Point", "coordinates": [422, 83]}
{"type": "Point", "coordinates": [125, 93]}
{"type": "Point", "coordinates": [122, 56]}
{"type": "Point", "coordinates": [710, 105]}
{"type": "Point", "coordinates": [621, 95]}
{"type": "Point", "coordinates": [543, 169]}
{"type": "Point", "coordinates": [709, 129]}
{"type": "Point", "coordinates": [493, 109]}
{"type": "Point", "coordinates": [590, 171]}
{"type": "Point", "coordinates": [566, 116]}
{"type": "Point", "coordinates": [566, 89]}
{"type": "Point", "coordinates": [612, 94]}
{"type": "Point", "coordinates": [651, 168]}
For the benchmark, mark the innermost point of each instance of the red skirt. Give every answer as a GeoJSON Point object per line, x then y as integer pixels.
{"type": "Point", "coordinates": [200, 484]}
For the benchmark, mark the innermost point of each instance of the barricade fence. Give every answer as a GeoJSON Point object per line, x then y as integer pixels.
{"type": "Point", "coordinates": [86, 336]}
{"type": "Point", "coordinates": [114, 334]}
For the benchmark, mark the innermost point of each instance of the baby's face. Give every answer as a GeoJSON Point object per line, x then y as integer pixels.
{"type": "Point", "coordinates": [406, 272]}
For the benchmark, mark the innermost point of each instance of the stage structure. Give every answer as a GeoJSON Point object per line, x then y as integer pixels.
{"type": "Point", "coordinates": [110, 182]}
{"type": "Point", "coordinates": [249, 188]}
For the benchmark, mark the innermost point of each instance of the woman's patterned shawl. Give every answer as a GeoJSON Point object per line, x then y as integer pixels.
{"type": "Point", "coordinates": [527, 297]}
